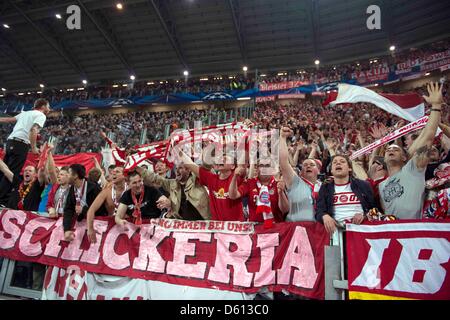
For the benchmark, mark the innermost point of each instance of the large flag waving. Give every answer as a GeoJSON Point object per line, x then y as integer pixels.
{"type": "Point", "coordinates": [408, 106]}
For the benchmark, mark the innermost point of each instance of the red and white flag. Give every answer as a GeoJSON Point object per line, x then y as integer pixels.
{"type": "Point", "coordinates": [408, 106]}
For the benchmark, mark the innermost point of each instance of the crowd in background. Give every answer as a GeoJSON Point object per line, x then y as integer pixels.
{"type": "Point", "coordinates": [80, 133]}
{"type": "Point", "coordinates": [216, 83]}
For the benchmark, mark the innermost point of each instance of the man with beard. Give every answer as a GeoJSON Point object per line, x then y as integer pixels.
{"type": "Point", "coordinates": [82, 194]}
{"type": "Point", "coordinates": [109, 197]}
{"type": "Point", "coordinates": [303, 190]}
{"type": "Point", "coordinates": [345, 198]}
{"type": "Point", "coordinates": [140, 202]}
{"type": "Point", "coordinates": [188, 197]}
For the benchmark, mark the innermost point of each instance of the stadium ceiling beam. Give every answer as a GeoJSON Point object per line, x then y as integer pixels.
{"type": "Point", "coordinates": [313, 11]}
{"type": "Point", "coordinates": [56, 44]}
{"type": "Point", "coordinates": [102, 24]}
{"type": "Point", "coordinates": [387, 20]}
{"type": "Point", "coordinates": [236, 14]}
{"type": "Point", "coordinates": [45, 11]}
{"type": "Point", "coordinates": [168, 25]}
{"type": "Point", "coordinates": [11, 51]}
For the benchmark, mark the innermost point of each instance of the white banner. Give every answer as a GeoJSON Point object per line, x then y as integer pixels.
{"type": "Point", "coordinates": [76, 284]}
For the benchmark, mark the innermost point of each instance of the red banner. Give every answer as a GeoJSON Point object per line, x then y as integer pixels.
{"type": "Point", "coordinates": [64, 160]}
{"type": "Point", "coordinates": [264, 99]}
{"type": "Point", "coordinates": [379, 73]}
{"type": "Point", "coordinates": [282, 85]}
{"type": "Point", "coordinates": [399, 260]}
{"type": "Point", "coordinates": [289, 256]}
{"type": "Point", "coordinates": [407, 66]}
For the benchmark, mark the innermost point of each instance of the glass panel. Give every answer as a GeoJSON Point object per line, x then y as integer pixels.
{"type": "Point", "coordinates": [28, 275]}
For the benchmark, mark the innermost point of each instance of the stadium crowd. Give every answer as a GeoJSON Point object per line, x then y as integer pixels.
{"type": "Point", "coordinates": [316, 180]}
{"type": "Point", "coordinates": [214, 83]}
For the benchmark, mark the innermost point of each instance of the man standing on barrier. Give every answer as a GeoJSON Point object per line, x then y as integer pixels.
{"type": "Point", "coordinates": [21, 140]}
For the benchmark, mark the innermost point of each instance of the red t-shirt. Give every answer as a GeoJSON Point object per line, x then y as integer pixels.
{"type": "Point", "coordinates": [222, 207]}
{"type": "Point", "coordinates": [250, 188]}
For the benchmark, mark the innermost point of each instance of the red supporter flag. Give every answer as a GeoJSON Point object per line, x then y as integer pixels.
{"type": "Point", "coordinates": [43, 157]}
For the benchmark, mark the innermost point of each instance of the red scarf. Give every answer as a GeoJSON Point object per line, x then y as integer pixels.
{"type": "Point", "coordinates": [314, 189]}
{"type": "Point", "coordinates": [23, 193]}
{"type": "Point", "coordinates": [137, 207]}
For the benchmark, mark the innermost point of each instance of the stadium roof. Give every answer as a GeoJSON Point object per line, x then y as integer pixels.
{"type": "Point", "coordinates": [158, 39]}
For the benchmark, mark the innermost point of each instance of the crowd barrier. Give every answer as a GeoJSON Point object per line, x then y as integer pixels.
{"type": "Point", "coordinates": [231, 260]}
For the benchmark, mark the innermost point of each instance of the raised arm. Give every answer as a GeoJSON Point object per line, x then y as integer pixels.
{"type": "Point", "coordinates": [191, 165]}
{"type": "Point", "coordinates": [8, 120]}
{"type": "Point", "coordinates": [103, 180]}
{"type": "Point", "coordinates": [8, 173]}
{"type": "Point", "coordinates": [233, 191]}
{"type": "Point", "coordinates": [151, 178]}
{"type": "Point", "coordinates": [298, 150]}
{"type": "Point", "coordinates": [33, 138]}
{"type": "Point", "coordinates": [286, 169]}
{"type": "Point", "coordinates": [51, 167]}
{"type": "Point", "coordinates": [435, 99]}
{"type": "Point", "coordinates": [359, 171]}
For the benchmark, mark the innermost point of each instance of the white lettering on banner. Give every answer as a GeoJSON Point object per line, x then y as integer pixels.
{"type": "Point", "coordinates": [53, 248]}
{"type": "Point", "coordinates": [370, 273]}
{"type": "Point", "coordinates": [27, 247]}
{"type": "Point", "coordinates": [149, 258]}
{"type": "Point", "coordinates": [435, 65]}
{"type": "Point", "coordinates": [237, 258]}
{"type": "Point", "coordinates": [183, 248]}
{"type": "Point", "coordinates": [411, 262]}
{"type": "Point", "coordinates": [10, 228]}
{"type": "Point", "coordinates": [267, 244]}
{"type": "Point", "coordinates": [92, 255]}
{"type": "Point", "coordinates": [73, 252]}
{"type": "Point", "coordinates": [110, 257]}
{"type": "Point", "coordinates": [236, 262]}
{"type": "Point", "coordinates": [300, 256]}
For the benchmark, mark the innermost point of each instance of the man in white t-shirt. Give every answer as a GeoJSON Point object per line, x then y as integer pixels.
{"type": "Point", "coordinates": [345, 199]}
{"type": "Point", "coordinates": [21, 140]}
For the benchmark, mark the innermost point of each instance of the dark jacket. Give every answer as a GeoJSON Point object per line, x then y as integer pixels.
{"type": "Point", "coordinates": [362, 190]}
{"type": "Point", "coordinates": [70, 216]}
